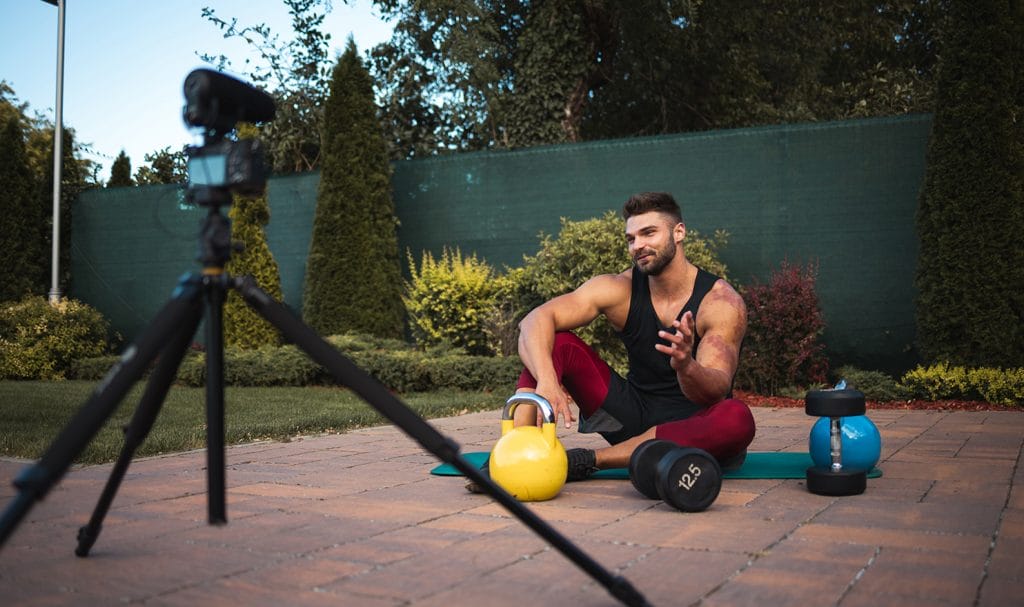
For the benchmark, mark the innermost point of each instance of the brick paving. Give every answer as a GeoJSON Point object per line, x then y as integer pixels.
{"type": "Point", "coordinates": [355, 519]}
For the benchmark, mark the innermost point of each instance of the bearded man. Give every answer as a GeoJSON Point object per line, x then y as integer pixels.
{"type": "Point", "coordinates": [682, 328]}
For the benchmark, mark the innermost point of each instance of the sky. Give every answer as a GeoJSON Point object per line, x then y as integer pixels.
{"type": "Point", "coordinates": [125, 61]}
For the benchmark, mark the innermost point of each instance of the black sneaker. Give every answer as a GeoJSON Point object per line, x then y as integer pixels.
{"type": "Point", "coordinates": [582, 463]}
{"type": "Point", "coordinates": [734, 463]}
{"type": "Point", "coordinates": [471, 486]}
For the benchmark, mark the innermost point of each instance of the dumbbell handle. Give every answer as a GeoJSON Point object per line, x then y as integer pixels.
{"type": "Point", "coordinates": [836, 440]}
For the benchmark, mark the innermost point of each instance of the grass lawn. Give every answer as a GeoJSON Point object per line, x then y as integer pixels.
{"type": "Point", "coordinates": [32, 414]}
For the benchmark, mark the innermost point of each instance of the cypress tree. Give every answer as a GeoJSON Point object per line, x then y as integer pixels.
{"type": "Point", "coordinates": [72, 183]}
{"type": "Point", "coordinates": [970, 277]}
{"type": "Point", "coordinates": [353, 280]}
{"type": "Point", "coordinates": [20, 217]}
{"type": "Point", "coordinates": [121, 172]}
{"type": "Point", "coordinates": [244, 328]}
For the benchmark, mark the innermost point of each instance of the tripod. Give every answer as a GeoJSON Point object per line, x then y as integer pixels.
{"type": "Point", "coordinates": [166, 341]}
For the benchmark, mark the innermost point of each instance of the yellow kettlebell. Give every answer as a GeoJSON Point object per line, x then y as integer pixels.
{"type": "Point", "coordinates": [529, 462]}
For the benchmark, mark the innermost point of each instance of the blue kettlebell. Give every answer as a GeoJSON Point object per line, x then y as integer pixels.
{"type": "Point", "coordinates": [862, 443]}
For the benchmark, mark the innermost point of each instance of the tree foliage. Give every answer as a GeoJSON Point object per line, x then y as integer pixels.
{"type": "Point", "coordinates": [164, 166]}
{"type": "Point", "coordinates": [353, 282]}
{"type": "Point", "coordinates": [73, 182]}
{"type": "Point", "coordinates": [121, 172]}
{"type": "Point", "coordinates": [295, 72]}
{"type": "Point", "coordinates": [28, 196]}
{"type": "Point", "coordinates": [970, 279]}
{"type": "Point", "coordinates": [20, 217]}
{"type": "Point", "coordinates": [476, 74]}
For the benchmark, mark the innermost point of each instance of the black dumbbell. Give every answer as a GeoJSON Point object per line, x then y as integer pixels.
{"type": "Point", "coordinates": [835, 479]}
{"type": "Point", "coordinates": [685, 478]}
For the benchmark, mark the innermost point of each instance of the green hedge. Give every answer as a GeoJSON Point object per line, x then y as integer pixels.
{"type": "Point", "coordinates": [397, 366]}
{"type": "Point", "coordinates": [940, 382]}
{"type": "Point", "coordinates": [944, 381]}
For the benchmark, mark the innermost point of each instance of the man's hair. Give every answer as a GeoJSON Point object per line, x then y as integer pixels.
{"type": "Point", "coordinates": [646, 202]}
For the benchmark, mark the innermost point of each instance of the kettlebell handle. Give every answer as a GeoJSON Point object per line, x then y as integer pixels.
{"type": "Point", "coordinates": [528, 398]}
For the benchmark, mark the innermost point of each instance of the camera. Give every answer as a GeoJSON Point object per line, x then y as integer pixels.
{"type": "Point", "coordinates": [236, 165]}
{"type": "Point", "coordinates": [215, 103]}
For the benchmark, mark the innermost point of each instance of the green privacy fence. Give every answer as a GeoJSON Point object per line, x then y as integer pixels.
{"type": "Point", "coordinates": [842, 195]}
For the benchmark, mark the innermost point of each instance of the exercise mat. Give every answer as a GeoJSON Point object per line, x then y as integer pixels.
{"type": "Point", "coordinates": [759, 464]}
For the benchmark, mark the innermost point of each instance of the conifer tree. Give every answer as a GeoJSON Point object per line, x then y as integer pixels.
{"type": "Point", "coordinates": [353, 280]}
{"type": "Point", "coordinates": [244, 328]}
{"type": "Point", "coordinates": [970, 277]}
{"type": "Point", "coordinates": [121, 172]}
{"type": "Point", "coordinates": [20, 217]}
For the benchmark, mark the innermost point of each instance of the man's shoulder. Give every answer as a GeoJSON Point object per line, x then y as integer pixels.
{"type": "Point", "coordinates": [724, 297]}
{"type": "Point", "coordinates": [610, 293]}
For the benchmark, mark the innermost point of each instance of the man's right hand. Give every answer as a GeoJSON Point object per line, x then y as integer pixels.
{"type": "Point", "coordinates": [560, 402]}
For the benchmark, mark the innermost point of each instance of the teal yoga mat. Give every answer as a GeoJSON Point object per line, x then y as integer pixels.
{"type": "Point", "coordinates": [759, 464]}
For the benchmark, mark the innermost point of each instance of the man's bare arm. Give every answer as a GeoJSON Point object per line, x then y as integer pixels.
{"type": "Point", "coordinates": [706, 378]}
{"type": "Point", "coordinates": [564, 313]}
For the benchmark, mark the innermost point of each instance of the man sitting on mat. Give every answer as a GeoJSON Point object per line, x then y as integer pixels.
{"type": "Point", "coordinates": [682, 328]}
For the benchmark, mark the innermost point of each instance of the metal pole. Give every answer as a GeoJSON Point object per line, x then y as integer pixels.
{"type": "Point", "coordinates": [58, 140]}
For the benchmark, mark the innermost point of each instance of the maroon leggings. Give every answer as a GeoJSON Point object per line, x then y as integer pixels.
{"type": "Point", "coordinates": [723, 429]}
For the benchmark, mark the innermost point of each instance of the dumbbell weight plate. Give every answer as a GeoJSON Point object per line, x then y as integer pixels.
{"type": "Point", "coordinates": [823, 481]}
{"type": "Point", "coordinates": [688, 479]}
{"type": "Point", "coordinates": [834, 403]}
{"type": "Point", "coordinates": [643, 462]}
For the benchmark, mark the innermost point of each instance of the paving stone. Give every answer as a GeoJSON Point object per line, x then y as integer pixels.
{"type": "Point", "coordinates": [356, 519]}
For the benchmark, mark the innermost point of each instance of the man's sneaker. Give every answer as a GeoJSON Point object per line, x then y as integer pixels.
{"type": "Point", "coordinates": [471, 486]}
{"type": "Point", "coordinates": [734, 463]}
{"type": "Point", "coordinates": [582, 463]}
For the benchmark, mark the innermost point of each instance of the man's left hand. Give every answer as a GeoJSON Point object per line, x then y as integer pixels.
{"type": "Point", "coordinates": [680, 342]}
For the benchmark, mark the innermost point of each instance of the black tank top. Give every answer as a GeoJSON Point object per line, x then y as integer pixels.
{"type": "Point", "coordinates": [649, 370]}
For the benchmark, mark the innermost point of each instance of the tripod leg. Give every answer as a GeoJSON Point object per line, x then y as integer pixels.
{"type": "Point", "coordinates": [35, 482]}
{"type": "Point", "coordinates": [447, 450]}
{"type": "Point", "coordinates": [142, 422]}
{"type": "Point", "coordinates": [215, 287]}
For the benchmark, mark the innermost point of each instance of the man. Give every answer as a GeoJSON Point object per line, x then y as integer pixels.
{"type": "Point", "coordinates": [682, 328]}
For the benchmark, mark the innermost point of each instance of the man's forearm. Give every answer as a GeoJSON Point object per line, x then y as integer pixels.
{"type": "Point", "coordinates": [703, 385]}
{"type": "Point", "coordinates": [536, 340]}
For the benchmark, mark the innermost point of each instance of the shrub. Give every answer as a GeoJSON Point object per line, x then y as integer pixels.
{"type": "Point", "coordinates": [92, 368]}
{"type": "Point", "coordinates": [875, 385]}
{"type": "Point", "coordinates": [998, 386]}
{"type": "Point", "coordinates": [448, 300]}
{"type": "Point", "coordinates": [501, 322]}
{"type": "Point", "coordinates": [943, 381]}
{"type": "Point", "coordinates": [41, 341]}
{"type": "Point", "coordinates": [936, 381]}
{"type": "Point", "coordinates": [585, 249]}
{"type": "Point", "coordinates": [395, 364]}
{"type": "Point", "coordinates": [784, 326]}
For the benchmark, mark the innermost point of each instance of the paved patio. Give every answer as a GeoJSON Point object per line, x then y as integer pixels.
{"type": "Point", "coordinates": [355, 519]}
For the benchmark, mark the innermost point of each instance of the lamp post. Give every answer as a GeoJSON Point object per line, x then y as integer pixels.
{"type": "Point", "coordinates": [58, 140]}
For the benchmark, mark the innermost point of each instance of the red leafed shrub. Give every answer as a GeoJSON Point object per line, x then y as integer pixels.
{"type": "Point", "coordinates": [783, 346]}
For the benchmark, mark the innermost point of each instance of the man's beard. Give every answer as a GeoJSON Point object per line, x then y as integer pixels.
{"type": "Point", "coordinates": [661, 259]}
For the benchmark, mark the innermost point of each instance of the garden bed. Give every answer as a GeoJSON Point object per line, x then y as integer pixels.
{"type": "Point", "coordinates": [759, 400]}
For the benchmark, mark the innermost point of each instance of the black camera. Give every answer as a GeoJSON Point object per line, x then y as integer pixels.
{"type": "Point", "coordinates": [215, 103]}
{"type": "Point", "coordinates": [236, 165]}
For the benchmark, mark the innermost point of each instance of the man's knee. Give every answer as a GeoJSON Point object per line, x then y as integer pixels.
{"type": "Point", "coordinates": [568, 339]}
{"type": "Point", "coordinates": [736, 416]}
